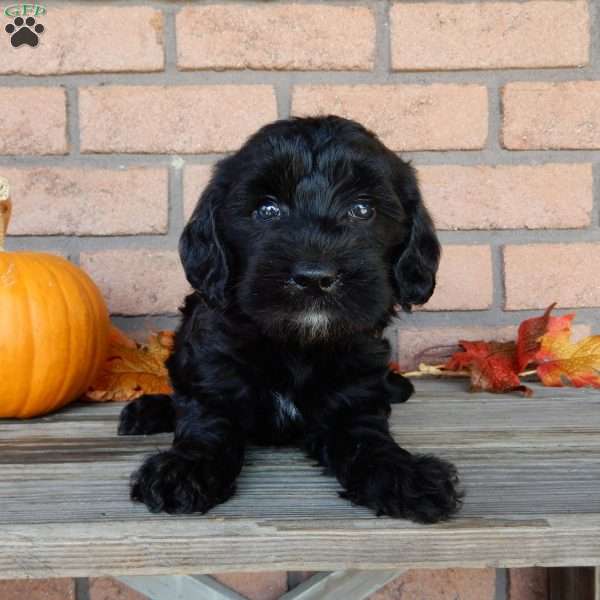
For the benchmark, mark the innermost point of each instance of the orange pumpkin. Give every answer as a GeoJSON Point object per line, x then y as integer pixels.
{"type": "Point", "coordinates": [54, 328]}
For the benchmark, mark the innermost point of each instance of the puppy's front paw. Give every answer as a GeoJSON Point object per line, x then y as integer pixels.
{"type": "Point", "coordinates": [173, 483]}
{"type": "Point", "coordinates": [421, 488]}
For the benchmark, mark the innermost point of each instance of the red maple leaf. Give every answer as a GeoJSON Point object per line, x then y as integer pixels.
{"type": "Point", "coordinates": [492, 366]}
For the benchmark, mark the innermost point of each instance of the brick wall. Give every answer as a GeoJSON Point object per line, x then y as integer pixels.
{"type": "Point", "coordinates": [108, 129]}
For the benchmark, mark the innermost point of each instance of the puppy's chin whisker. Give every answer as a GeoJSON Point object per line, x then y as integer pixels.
{"type": "Point", "coordinates": [314, 325]}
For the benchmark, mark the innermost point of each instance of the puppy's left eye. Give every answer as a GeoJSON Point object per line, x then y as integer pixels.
{"type": "Point", "coordinates": [267, 211]}
{"type": "Point", "coordinates": [362, 211]}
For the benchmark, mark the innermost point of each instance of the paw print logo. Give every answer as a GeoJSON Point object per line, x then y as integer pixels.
{"type": "Point", "coordinates": [24, 32]}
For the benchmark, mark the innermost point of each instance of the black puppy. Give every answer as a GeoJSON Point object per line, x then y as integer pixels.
{"type": "Point", "coordinates": [300, 246]}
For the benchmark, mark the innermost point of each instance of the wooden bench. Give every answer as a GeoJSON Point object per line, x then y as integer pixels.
{"type": "Point", "coordinates": [531, 468]}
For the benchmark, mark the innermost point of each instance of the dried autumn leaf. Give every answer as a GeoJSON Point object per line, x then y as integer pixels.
{"type": "Point", "coordinates": [492, 366]}
{"type": "Point", "coordinates": [531, 332]}
{"type": "Point", "coordinates": [561, 362]}
{"type": "Point", "coordinates": [132, 369]}
{"type": "Point", "coordinates": [528, 337]}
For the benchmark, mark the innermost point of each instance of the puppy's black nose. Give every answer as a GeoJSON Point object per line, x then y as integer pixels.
{"type": "Point", "coordinates": [316, 277]}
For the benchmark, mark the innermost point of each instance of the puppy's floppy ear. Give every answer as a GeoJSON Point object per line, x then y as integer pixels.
{"type": "Point", "coordinates": [416, 265]}
{"type": "Point", "coordinates": [201, 247]}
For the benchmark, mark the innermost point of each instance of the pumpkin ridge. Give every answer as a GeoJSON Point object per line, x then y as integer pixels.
{"type": "Point", "coordinates": [39, 272]}
{"type": "Point", "coordinates": [66, 383]}
{"type": "Point", "coordinates": [30, 344]}
{"type": "Point", "coordinates": [90, 350]}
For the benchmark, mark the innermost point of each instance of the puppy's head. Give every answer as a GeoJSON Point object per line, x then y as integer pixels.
{"type": "Point", "coordinates": [312, 229]}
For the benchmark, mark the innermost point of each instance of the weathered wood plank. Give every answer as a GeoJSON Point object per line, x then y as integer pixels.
{"type": "Point", "coordinates": [194, 546]}
{"type": "Point", "coordinates": [531, 467]}
{"type": "Point", "coordinates": [497, 486]}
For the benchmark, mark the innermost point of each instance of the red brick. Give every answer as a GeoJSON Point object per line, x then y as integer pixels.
{"type": "Point", "coordinates": [106, 588]}
{"type": "Point", "coordinates": [551, 115]}
{"type": "Point", "coordinates": [195, 179]}
{"type": "Point", "coordinates": [73, 201]}
{"type": "Point", "coordinates": [406, 117]}
{"type": "Point", "coordinates": [439, 341]}
{"type": "Point", "coordinates": [91, 39]}
{"type": "Point", "coordinates": [443, 584]}
{"type": "Point", "coordinates": [37, 589]}
{"type": "Point", "coordinates": [137, 282]}
{"type": "Point", "coordinates": [508, 196]}
{"type": "Point", "coordinates": [491, 35]}
{"type": "Point", "coordinates": [539, 274]}
{"type": "Point", "coordinates": [265, 36]}
{"type": "Point", "coordinates": [33, 120]}
{"type": "Point", "coordinates": [528, 584]}
{"type": "Point", "coordinates": [186, 119]}
{"type": "Point", "coordinates": [464, 280]}
{"type": "Point", "coordinates": [267, 585]}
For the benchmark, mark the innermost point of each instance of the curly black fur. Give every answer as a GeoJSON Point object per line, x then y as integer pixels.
{"type": "Point", "coordinates": [264, 355]}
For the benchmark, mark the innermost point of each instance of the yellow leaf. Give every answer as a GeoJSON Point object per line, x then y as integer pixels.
{"type": "Point", "coordinates": [561, 362]}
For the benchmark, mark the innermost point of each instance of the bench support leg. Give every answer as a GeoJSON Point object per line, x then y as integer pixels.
{"type": "Point", "coordinates": [339, 585]}
{"type": "Point", "coordinates": [180, 587]}
{"type": "Point", "coordinates": [342, 585]}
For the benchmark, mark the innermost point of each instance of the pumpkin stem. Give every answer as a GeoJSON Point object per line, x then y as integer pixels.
{"type": "Point", "coordinates": [5, 209]}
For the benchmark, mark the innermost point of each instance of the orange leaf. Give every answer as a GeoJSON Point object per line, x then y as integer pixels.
{"type": "Point", "coordinates": [531, 332]}
{"type": "Point", "coordinates": [561, 362]}
{"type": "Point", "coordinates": [132, 369]}
{"type": "Point", "coordinates": [492, 366]}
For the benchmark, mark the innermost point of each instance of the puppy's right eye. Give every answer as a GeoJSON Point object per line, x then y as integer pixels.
{"type": "Point", "coordinates": [267, 211]}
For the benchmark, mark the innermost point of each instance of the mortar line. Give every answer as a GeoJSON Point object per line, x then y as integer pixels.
{"type": "Point", "coordinates": [498, 289]}
{"type": "Point", "coordinates": [456, 318]}
{"type": "Point", "coordinates": [500, 274]}
{"type": "Point", "coordinates": [170, 40]}
{"type": "Point", "coordinates": [494, 118]}
{"type": "Point", "coordinates": [283, 96]}
{"type": "Point", "coordinates": [595, 217]}
{"type": "Point", "coordinates": [382, 51]}
{"type": "Point", "coordinates": [144, 324]}
{"type": "Point", "coordinates": [421, 320]}
{"type": "Point", "coordinates": [315, 77]}
{"type": "Point", "coordinates": [419, 158]}
{"type": "Point", "coordinates": [72, 122]}
{"type": "Point", "coordinates": [176, 201]}
{"type": "Point", "coordinates": [594, 50]}
{"type": "Point", "coordinates": [161, 241]}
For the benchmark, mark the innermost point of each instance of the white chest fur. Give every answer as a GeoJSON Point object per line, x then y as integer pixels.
{"type": "Point", "coordinates": [285, 410]}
